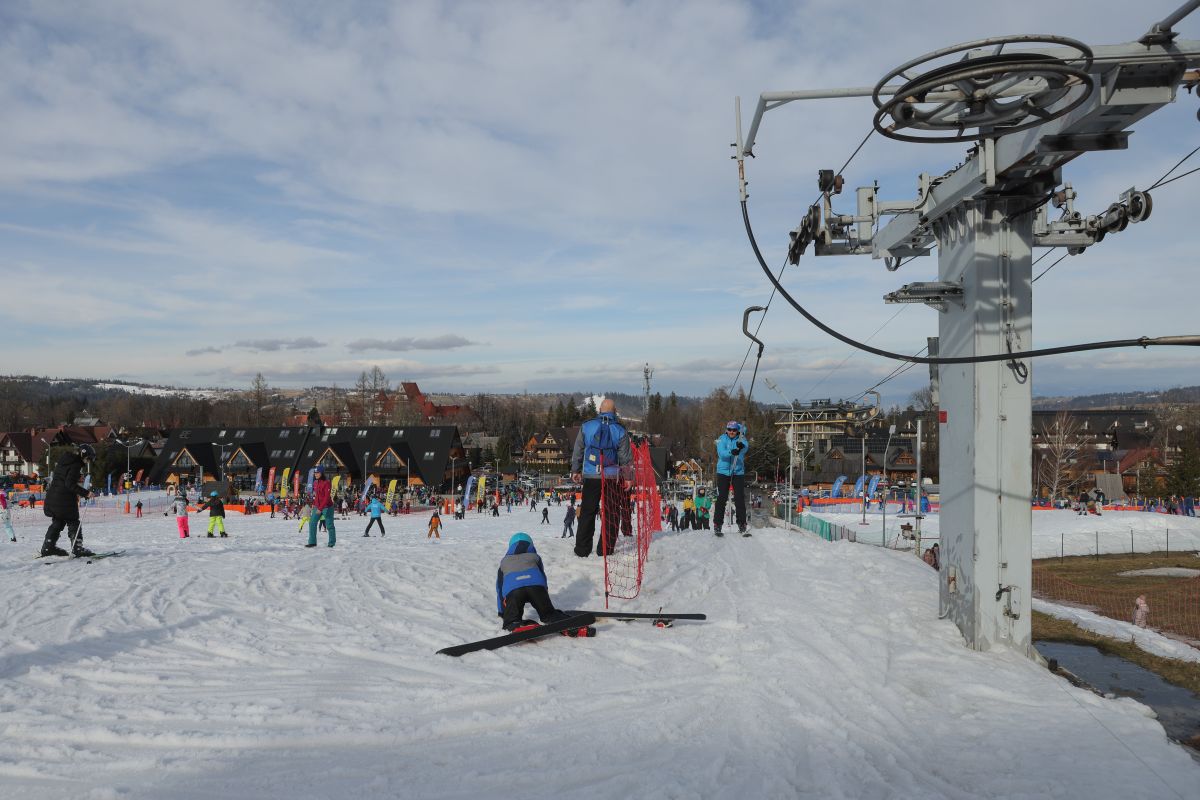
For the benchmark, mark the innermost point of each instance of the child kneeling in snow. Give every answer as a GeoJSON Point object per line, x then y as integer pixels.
{"type": "Point", "coordinates": [521, 579]}
{"type": "Point", "coordinates": [1141, 611]}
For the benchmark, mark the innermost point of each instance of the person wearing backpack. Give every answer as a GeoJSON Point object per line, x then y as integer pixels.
{"type": "Point", "coordinates": [601, 449]}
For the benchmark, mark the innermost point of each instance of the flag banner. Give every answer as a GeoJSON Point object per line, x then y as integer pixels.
{"type": "Point", "coordinates": [873, 486]}
{"type": "Point", "coordinates": [138, 478]}
{"type": "Point", "coordinates": [312, 476]}
{"type": "Point", "coordinates": [334, 486]}
{"type": "Point", "coordinates": [258, 484]}
{"type": "Point", "coordinates": [391, 492]}
{"type": "Point", "coordinates": [296, 483]}
{"type": "Point", "coordinates": [837, 486]}
{"type": "Point", "coordinates": [283, 482]}
{"type": "Point", "coordinates": [271, 480]}
{"type": "Point", "coordinates": [858, 486]}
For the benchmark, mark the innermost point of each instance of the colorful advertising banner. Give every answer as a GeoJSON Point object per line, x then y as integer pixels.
{"type": "Point", "coordinates": [873, 486]}
{"type": "Point", "coordinates": [283, 482]}
{"type": "Point", "coordinates": [333, 486]}
{"type": "Point", "coordinates": [391, 492]}
{"type": "Point", "coordinates": [271, 480]}
{"type": "Point", "coordinates": [837, 486]}
{"type": "Point", "coordinates": [296, 483]}
{"type": "Point", "coordinates": [258, 484]}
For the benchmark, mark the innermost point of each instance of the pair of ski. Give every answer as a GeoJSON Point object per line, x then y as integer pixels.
{"type": "Point", "coordinates": [577, 619]}
{"type": "Point", "coordinates": [89, 559]}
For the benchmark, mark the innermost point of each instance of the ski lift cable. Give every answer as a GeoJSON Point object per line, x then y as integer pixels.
{"type": "Point", "coordinates": [1163, 180]}
{"type": "Point", "coordinates": [1143, 341]}
{"type": "Point", "coordinates": [1177, 177]}
{"type": "Point", "coordinates": [774, 288]}
{"type": "Point", "coordinates": [853, 352]}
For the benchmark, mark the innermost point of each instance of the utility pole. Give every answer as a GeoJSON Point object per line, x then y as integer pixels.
{"type": "Point", "coordinates": [647, 372]}
{"type": "Point", "coordinates": [1029, 105]}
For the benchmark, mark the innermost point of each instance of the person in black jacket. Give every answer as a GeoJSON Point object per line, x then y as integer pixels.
{"type": "Point", "coordinates": [216, 514]}
{"type": "Point", "coordinates": [62, 502]}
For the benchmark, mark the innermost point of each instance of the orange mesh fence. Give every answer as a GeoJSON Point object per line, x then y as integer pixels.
{"type": "Point", "coordinates": [1172, 604]}
{"type": "Point", "coordinates": [630, 515]}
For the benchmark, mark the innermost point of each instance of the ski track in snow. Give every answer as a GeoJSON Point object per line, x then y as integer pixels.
{"type": "Point", "coordinates": [252, 667]}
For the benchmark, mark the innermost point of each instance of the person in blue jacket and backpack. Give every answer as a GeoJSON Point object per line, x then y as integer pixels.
{"type": "Point", "coordinates": [601, 449]}
{"type": "Point", "coordinates": [521, 579]}
{"type": "Point", "coordinates": [375, 510]}
{"type": "Point", "coordinates": [731, 470]}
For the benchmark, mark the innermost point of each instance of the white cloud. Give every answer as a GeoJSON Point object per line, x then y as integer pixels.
{"type": "Point", "coordinates": [550, 178]}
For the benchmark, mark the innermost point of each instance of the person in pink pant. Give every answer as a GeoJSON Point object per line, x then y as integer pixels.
{"type": "Point", "coordinates": [180, 508]}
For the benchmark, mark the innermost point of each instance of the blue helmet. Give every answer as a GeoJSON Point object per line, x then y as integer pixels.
{"type": "Point", "coordinates": [212, 494]}
{"type": "Point", "coordinates": [519, 537]}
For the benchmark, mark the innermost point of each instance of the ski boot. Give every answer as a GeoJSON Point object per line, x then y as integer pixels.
{"type": "Point", "coordinates": [580, 633]}
{"type": "Point", "coordinates": [210, 536]}
{"type": "Point", "coordinates": [742, 530]}
{"type": "Point", "coordinates": [52, 550]}
{"type": "Point", "coordinates": [224, 535]}
{"type": "Point", "coordinates": [79, 551]}
{"type": "Point", "coordinates": [521, 625]}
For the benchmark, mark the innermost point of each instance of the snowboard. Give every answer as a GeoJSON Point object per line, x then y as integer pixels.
{"type": "Point", "coordinates": [574, 621]}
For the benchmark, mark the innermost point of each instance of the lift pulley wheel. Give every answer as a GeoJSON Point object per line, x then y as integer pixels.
{"type": "Point", "coordinates": [983, 93]}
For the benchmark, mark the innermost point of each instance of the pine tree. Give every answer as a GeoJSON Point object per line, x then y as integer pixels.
{"type": "Point", "coordinates": [1184, 477]}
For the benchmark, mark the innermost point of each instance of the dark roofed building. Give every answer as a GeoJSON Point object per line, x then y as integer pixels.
{"type": "Point", "coordinates": [413, 455]}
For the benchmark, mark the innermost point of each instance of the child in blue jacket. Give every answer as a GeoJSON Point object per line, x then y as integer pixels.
{"type": "Point", "coordinates": [375, 511]}
{"type": "Point", "coordinates": [521, 579]}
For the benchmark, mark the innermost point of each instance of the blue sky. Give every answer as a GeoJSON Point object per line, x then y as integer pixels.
{"type": "Point", "coordinates": [507, 196]}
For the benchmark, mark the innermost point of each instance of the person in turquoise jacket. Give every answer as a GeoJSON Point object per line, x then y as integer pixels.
{"type": "Point", "coordinates": [375, 511]}
{"type": "Point", "coordinates": [731, 471]}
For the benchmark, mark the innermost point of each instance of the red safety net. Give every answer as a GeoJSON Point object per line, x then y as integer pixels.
{"type": "Point", "coordinates": [630, 515]}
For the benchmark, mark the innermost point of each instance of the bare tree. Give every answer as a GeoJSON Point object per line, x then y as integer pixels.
{"type": "Point", "coordinates": [1058, 445]}
{"type": "Point", "coordinates": [260, 396]}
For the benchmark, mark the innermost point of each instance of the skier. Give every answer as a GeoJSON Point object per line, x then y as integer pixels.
{"type": "Point", "coordinates": [521, 579]}
{"type": "Point", "coordinates": [139, 509]}
{"type": "Point", "coordinates": [435, 527]}
{"type": "Point", "coordinates": [546, 515]}
{"type": "Point", "coordinates": [689, 515]}
{"type": "Point", "coordinates": [6, 516]}
{"type": "Point", "coordinates": [179, 506]}
{"type": "Point", "coordinates": [601, 449]}
{"type": "Point", "coordinates": [569, 522]}
{"type": "Point", "coordinates": [305, 514]}
{"type": "Point", "coordinates": [731, 470]}
{"type": "Point", "coordinates": [375, 512]}
{"type": "Point", "coordinates": [62, 501]}
{"type": "Point", "coordinates": [703, 509]}
{"type": "Point", "coordinates": [216, 514]}
{"type": "Point", "coordinates": [322, 509]}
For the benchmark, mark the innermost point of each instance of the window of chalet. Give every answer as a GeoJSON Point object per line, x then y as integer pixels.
{"type": "Point", "coordinates": [389, 461]}
{"type": "Point", "coordinates": [239, 461]}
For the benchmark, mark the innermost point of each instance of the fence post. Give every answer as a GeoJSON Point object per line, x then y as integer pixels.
{"type": "Point", "coordinates": [1097, 545]}
{"type": "Point", "coordinates": [1168, 541]}
{"type": "Point", "coordinates": [1131, 541]}
{"type": "Point", "coordinates": [1062, 546]}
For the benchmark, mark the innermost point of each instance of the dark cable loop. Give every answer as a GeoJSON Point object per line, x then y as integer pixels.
{"type": "Point", "coordinates": [1142, 341]}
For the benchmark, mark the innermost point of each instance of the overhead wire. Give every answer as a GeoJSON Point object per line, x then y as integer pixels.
{"type": "Point", "coordinates": [1143, 341]}
{"type": "Point", "coordinates": [771, 298]}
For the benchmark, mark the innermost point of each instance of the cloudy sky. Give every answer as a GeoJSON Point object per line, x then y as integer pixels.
{"type": "Point", "coordinates": [508, 196]}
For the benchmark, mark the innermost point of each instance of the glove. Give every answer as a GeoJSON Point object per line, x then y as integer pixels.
{"type": "Point", "coordinates": [739, 447]}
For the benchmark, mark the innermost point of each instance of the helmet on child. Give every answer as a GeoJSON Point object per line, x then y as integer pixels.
{"type": "Point", "coordinates": [212, 494]}
{"type": "Point", "coordinates": [86, 452]}
{"type": "Point", "coordinates": [519, 537]}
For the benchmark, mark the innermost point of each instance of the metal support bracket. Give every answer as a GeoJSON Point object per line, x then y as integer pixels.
{"type": "Point", "coordinates": [934, 294]}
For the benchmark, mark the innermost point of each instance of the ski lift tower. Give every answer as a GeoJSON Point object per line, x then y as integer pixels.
{"type": "Point", "coordinates": [1026, 105]}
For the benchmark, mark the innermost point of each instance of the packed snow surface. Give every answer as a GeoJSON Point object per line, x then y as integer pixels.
{"type": "Point", "coordinates": [251, 667]}
{"type": "Point", "coordinates": [1055, 531]}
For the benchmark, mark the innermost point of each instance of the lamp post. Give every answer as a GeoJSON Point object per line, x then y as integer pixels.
{"type": "Point", "coordinates": [128, 447]}
{"type": "Point", "coordinates": [864, 476]}
{"type": "Point", "coordinates": [222, 445]}
{"type": "Point", "coordinates": [886, 447]}
{"type": "Point", "coordinates": [366, 478]}
{"type": "Point", "coordinates": [1167, 449]}
{"type": "Point", "coordinates": [791, 443]}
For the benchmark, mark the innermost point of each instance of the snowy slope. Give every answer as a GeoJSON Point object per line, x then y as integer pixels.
{"type": "Point", "coordinates": [251, 667]}
{"type": "Point", "coordinates": [1054, 530]}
